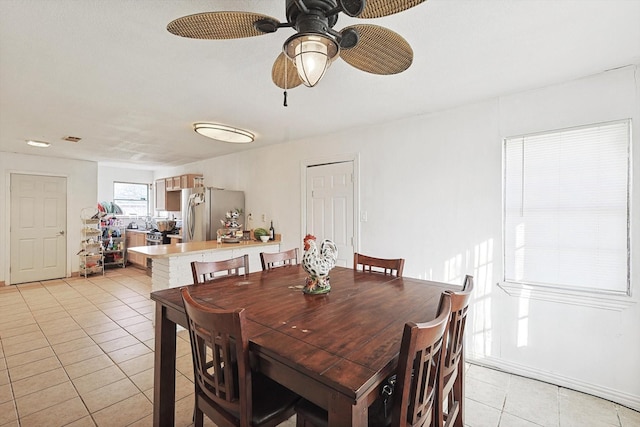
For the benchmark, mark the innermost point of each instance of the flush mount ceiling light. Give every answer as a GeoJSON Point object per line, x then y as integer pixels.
{"type": "Point", "coordinates": [223, 133]}
{"type": "Point", "coordinates": [39, 144]}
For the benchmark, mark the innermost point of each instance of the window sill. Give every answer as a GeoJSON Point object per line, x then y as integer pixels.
{"type": "Point", "coordinates": [586, 299]}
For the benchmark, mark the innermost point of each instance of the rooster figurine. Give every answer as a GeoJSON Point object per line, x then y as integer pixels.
{"type": "Point", "coordinates": [318, 264]}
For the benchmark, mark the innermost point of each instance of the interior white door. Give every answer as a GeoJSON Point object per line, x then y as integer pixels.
{"type": "Point", "coordinates": [330, 196]}
{"type": "Point", "coordinates": [38, 237]}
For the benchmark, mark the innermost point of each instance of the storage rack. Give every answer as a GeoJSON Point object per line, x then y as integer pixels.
{"type": "Point", "coordinates": [91, 257]}
{"type": "Point", "coordinates": [113, 241]}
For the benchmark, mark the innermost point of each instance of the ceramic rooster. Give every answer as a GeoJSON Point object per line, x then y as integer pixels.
{"type": "Point", "coordinates": [318, 263]}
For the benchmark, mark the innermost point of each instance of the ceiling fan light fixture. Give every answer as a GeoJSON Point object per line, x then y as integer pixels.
{"type": "Point", "coordinates": [312, 54]}
{"type": "Point", "coordinates": [223, 133]}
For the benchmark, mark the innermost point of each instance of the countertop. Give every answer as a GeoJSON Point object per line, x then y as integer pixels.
{"type": "Point", "coordinates": [179, 249]}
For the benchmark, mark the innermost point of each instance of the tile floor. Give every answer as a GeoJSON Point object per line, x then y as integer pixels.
{"type": "Point", "coordinates": [79, 352]}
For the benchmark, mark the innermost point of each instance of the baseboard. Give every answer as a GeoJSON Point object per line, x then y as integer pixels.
{"type": "Point", "coordinates": [624, 399]}
{"type": "Point", "coordinates": [2, 283]}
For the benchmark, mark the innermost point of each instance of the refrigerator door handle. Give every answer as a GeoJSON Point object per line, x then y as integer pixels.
{"type": "Point", "coordinates": [190, 221]}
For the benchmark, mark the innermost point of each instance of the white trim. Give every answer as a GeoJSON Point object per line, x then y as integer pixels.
{"type": "Point", "coordinates": [338, 158]}
{"type": "Point", "coordinates": [566, 296]}
{"type": "Point", "coordinates": [625, 399]}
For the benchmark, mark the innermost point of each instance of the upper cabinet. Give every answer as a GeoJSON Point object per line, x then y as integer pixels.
{"type": "Point", "coordinates": [176, 183]}
{"type": "Point", "coordinates": [168, 190]}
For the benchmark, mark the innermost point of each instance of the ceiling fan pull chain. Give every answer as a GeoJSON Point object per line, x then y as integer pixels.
{"type": "Point", "coordinates": [285, 98]}
{"type": "Point", "coordinates": [285, 83]}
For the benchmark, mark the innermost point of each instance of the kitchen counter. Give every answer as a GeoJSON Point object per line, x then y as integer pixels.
{"type": "Point", "coordinates": [171, 264]}
{"type": "Point", "coordinates": [180, 249]}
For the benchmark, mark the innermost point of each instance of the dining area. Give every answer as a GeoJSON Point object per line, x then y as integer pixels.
{"type": "Point", "coordinates": [377, 349]}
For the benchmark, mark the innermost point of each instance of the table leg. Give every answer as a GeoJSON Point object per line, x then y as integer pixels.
{"type": "Point", "coordinates": [164, 370]}
{"type": "Point", "coordinates": [343, 413]}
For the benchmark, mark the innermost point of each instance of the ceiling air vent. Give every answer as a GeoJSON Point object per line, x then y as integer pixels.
{"type": "Point", "coordinates": [72, 138]}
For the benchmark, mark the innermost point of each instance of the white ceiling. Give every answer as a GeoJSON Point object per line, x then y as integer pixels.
{"type": "Point", "coordinates": [110, 73]}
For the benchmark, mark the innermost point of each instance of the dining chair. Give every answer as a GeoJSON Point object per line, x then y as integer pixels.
{"type": "Point", "coordinates": [278, 259]}
{"type": "Point", "coordinates": [205, 271]}
{"type": "Point", "coordinates": [382, 265]}
{"type": "Point", "coordinates": [416, 376]}
{"type": "Point", "coordinates": [450, 400]}
{"type": "Point", "coordinates": [226, 389]}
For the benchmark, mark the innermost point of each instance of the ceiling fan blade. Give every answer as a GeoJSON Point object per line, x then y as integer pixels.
{"type": "Point", "coordinates": [380, 8]}
{"type": "Point", "coordinates": [379, 50]}
{"type": "Point", "coordinates": [220, 25]}
{"type": "Point", "coordinates": [282, 66]}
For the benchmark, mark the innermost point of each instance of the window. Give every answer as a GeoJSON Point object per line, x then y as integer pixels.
{"type": "Point", "coordinates": [132, 198]}
{"type": "Point", "coordinates": [567, 208]}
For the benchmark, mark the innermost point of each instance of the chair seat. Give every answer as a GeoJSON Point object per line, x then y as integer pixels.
{"type": "Point", "coordinates": [270, 400]}
{"type": "Point", "coordinates": [318, 417]}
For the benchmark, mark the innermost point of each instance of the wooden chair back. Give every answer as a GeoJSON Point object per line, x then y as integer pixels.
{"type": "Point", "coordinates": [393, 267]}
{"type": "Point", "coordinates": [451, 392]}
{"type": "Point", "coordinates": [278, 259]}
{"type": "Point", "coordinates": [220, 351]}
{"type": "Point", "coordinates": [225, 386]}
{"type": "Point", "coordinates": [205, 271]}
{"type": "Point", "coordinates": [419, 369]}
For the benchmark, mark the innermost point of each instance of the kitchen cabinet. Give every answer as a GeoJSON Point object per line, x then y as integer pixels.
{"type": "Point", "coordinates": [166, 200]}
{"type": "Point", "coordinates": [136, 238]}
{"type": "Point", "coordinates": [177, 183]}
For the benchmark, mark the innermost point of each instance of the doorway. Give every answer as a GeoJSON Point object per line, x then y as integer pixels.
{"type": "Point", "coordinates": [38, 235]}
{"type": "Point", "coordinates": [331, 205]}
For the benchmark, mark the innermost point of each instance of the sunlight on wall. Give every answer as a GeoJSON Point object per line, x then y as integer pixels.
{"type": "Point", "coordinates": [523, 318]}
{"type": "Point", "coordinates": [479, 341]}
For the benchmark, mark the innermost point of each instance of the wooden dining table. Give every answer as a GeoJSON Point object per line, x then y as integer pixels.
{"type": "Point", "coordinates": [334, 350]}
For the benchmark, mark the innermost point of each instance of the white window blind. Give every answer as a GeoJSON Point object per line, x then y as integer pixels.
{"type": "Point", "coordinates": [566, 208]}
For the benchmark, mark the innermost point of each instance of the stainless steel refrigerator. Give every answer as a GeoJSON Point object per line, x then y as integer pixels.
{"type": "Point", "coordinates": [204, 207]}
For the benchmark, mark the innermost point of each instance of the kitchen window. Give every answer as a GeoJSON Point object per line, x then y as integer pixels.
{"type": "Point", "coordinates": [132, 198]}
{"type": "Point", "coordinates": [567, 211]}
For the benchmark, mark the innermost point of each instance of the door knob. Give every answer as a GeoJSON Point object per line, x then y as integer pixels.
{"type": "Point", "coordinates": [61, 233]}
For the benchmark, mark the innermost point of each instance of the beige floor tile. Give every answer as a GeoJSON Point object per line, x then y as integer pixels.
{"type": "Point", "coordinates": [145, 335]}
{"type": "Point", "coordinates": [145, 422]}
{"type": "Point", "coordinates": [109, 335]}
{"type": "Point", "coordinates": [4, 377]}
{"type": "Point", "coordinates": [45, 398]}
{"type": "Point", "coordinates": [60, 414]}
{"type": "Point", "coordinates": [125, 412]}
{"type": "Point", "coordinates": [22, 338]}
{"type": "Point", "coordinates": [130, 352]}
{"type": "Point", "coordinates": [82, 422]}
{"type": "Point", "coordinates": [485, 393]}
{"type": "Point", "coordinates": [129, 322]}
{"type": "Point", "coordinates": [29, 357]}
{"type": "Point", "coordinates": [490, 376]}
{"type": "Point", "coordinates": [119, 343]}
{"type": "Point", "coordinates": [73, 357]}
{"type": "Point", "coordinates": [143, 380]}
{"type": "Point", "coordinates": [38, 382]}
{"type": "Point", "coordinates": [628, 417]}
{"type": "Point", "coordinates": [73, 345]}
{"type": "Point", "coordinates": [88, 366]}
{"type": "Point", "coordinates": [6, 392]}
{"type": "Point", "coordinates": [508, 420]}
{"type": "Point", "coordinates": [31, 369]}
{"type": "Point", "coordinates": [533, 401]}
{"type": "Point", "coordinates": [137, 364]}
{"type": "Point", "coordinates": [97, 379]}
{"type": "Point", "coordinates": [8, 413]}
{"type": "Point", "coordinates": [579, 409]}
{"type": "Point", "coordinates": [25, 329]}
{"type": "Point", "coordinates": [184, 386]}
{"type": "Point", "coordinates": [22, 347]}
{"type": "Point", "coordinates": [59, 326]}
{"type": "Point", "coordinates": [106, 396]}
{"type": "Point", "coordinates": [480, 415]}
{"type": "Point", "coordinates": [104, 327]}
{"type": "Point", "coordinates": [69, 335]}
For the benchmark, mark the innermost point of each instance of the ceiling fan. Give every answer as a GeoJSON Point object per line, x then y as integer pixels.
{"type": "Point", "coordinates": [307, 54]}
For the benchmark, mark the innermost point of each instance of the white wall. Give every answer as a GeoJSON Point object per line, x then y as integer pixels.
{"type": "Point", "coordinates": [108, 175]}
{"type": "Point", "coordinates": [81, 192]}
{"type": "Point", "coordinates": [432, 188]}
